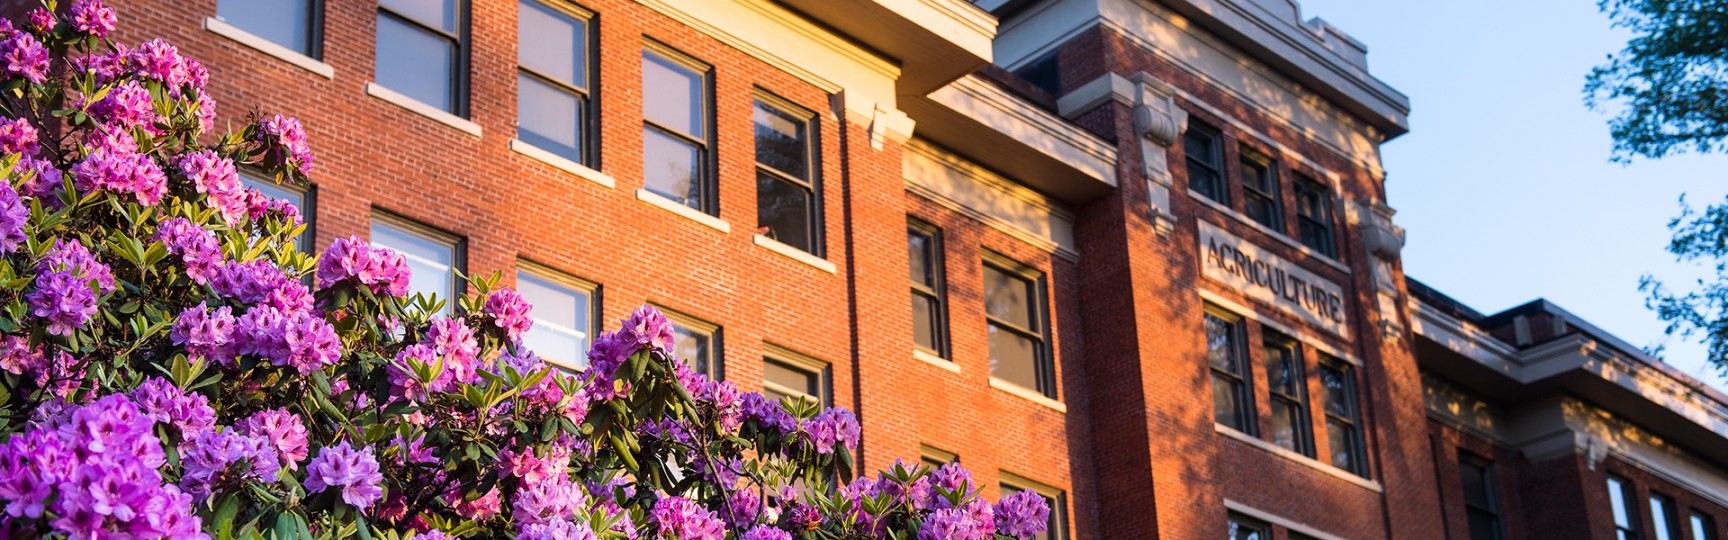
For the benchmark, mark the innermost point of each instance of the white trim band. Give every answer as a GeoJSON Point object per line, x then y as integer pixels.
{"type": "Point", "coordinates": [417, 107]}
{"type": "Point", "coordinates": [1028, 394]}
{"type": "Point", "coordinates": [258, 43]}
{"type": "Point", "coordinates": [560, 162]}
{"type": "Point", "coordinates": [935, 360]}
{"type": "Point", "coordinates": [770, 244]}
{"type": "Point", "coordinates": [678, 208]}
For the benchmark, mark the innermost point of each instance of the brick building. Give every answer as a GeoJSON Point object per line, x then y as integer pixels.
{"type": "Point", "coordinates": [1151, 269]}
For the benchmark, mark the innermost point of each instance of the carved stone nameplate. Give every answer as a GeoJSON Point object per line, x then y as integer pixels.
{"type": "Point", "coordinates": [1268, 278]}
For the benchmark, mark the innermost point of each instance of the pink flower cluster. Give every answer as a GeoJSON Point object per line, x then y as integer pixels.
{"type": "Point", "coordinates": [126, 106]}
{"type": "Point", "coordinates": [215, 459]}
{"type": "Point", "coordinates": [353, 472]}
{"type": "Point", "coordinates": [285, 431]}
{"type": "Point", "coordinates": [509, 311]}
{"type": "Point", "coordinates": [260, 282]}
{"type": "Point", "coordinates": [13, 215]}
{"type": "Point", "coordinates": [303, 341]}
{"type": "Point", "coordinates": [682, 518]}
{"type": "Point", "coordinates": [134, 174]}
{"type": "Point", "coordinates": [206, 333]}
{"type": "Point", "coordinates": [381, 269]}
{"type": "Point", "coordinates": [165, 403]}
{"type": "Point", "coordinates": [25, 57]}
{"type": "Point", "coordinates": [94, 18]}
{"type": "Point", "coordinates": [285, 141]}
{"type": "Point", "coordinates": [195, 245]}
{"type": "Point", "coordinates": [18, 136]}
{"type": "Point", "coordinates": [216, 177]}
{"type": "Point", "coordinates": [68, 280]}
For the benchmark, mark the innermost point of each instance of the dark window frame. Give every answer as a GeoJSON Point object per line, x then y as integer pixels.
{"type": "Point", "coordinates": [458, 252]}
{"type": "Point", "coordinates": [1217, 188]}
{"type": "Point", "coordinates": [1253, 194]}
{"type": "Point", "coordinates": [595, 290]}
{"type": "Point", "coordinates": [812, 164]}
{"type": "Point", "coordinates": [1242, 380]}
{"type": "Point", "coordinates": [1057, 498]}
{"type": "Point", "coordinates": [314, 29]}
{"type": "Point", "coordinates": [937, 291]}
{"type": "Point", "coordinates": [1045, 371]}
{"type": "Point", "coordinates": [796, 361]}
{"type": "Point", "coordinates": [589, 96]}
{"type": "Point", "coordinates": [1254, 524]}
{"type": "Point", "coordinates": [1303, 423]}
{"type": "Point", "coordinates": [1491, 507]}
{"type": "Point", "coordinates": [460, 60]}
{"type": "Point", "coordinates": [1703, 525]}
{"type": "Point", "coordinates": [1632, 530]}
{"type": "Point", "coordinates": [706, 177]}
{"type": "Point", "coordinates": [1325, 225]}
{"type": "Point", "coordinates": [1352, 419]}
{"type": "Point", "coordinates": [1665, 519]}
{"type": "Point", "coordinates": [934, 458]}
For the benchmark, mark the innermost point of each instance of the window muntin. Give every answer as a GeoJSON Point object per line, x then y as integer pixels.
{"type": "Point", "coordinates": [1056, 499]}
{"type": "Point", "coordinates": [1703, 526]}
{"type": "Point", "coordinates": [552, 90]}
{"type": "Point", "coordinates": [1232, 401]}
{"type": "Point", "coordinates": [300, 196]}
{"type": "Point", "coordinates": [563, 315]}
{"type": "Point", "coordinates": [1260, 191]}
{"type": "Point", "coordinates": [1014, 312]}
{"type": "Point", "coordinates": [1620, 497]}
{"type": "Point", "coordinates": [788, 201]}
{"type": "Point", "coordinates": [675, 112]}
{"type": "Point", "coordinates": [1287, 384]}
{"type": "Point", "coordinates": [290, 23]}
{"type": "Point", "coordinates": [1204, 148]}
{"type": "Point", "coordinates": [1343, 419]}
{"type": "Point", "coordinates": [1314, 217]}
{"type": "Point", "coordinates": [419, 52]}
{"type": "Point", "coordinates": [789, 374]}
{"type": "Point", "coordinates": [929, 301]}
{"type": "Point", "coordinates": [1481, 497]}
{"type": "Point", "coordinates": [1666, 525]}
{"type": "Point", "coordinates": [1247, 528]}
{"type": "Point", "coordinates": [697, 342]}
{"type": "Point", "coordinates": [431, 257]}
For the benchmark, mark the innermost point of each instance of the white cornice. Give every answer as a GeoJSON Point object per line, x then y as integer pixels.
{"type": "Point", "coordinates": [1037, 129]}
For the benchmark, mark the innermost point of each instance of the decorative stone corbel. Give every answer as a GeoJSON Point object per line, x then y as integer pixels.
{"type": "Point", "coordinates": [1595, 450]}
{"type": "Point", "coordinates": [1159, 123]}
{"type": "Point", "coordinates": [880, 124]}
{"type": "Point", "coordinates": [1383, 241]}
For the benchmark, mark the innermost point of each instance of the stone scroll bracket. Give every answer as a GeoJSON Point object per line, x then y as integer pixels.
{"type": "Point", "coordinates": [1159, 124]}
{"type": "Point", "coordinates": [1383, 241]}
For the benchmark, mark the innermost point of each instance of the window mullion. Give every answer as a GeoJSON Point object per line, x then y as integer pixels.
{"type": "Point", "coordinates": [675, 133]}
{"type": "Point", "coordinates": [417, 23]}
{"type": "Point", "coordinates": [571, 88]}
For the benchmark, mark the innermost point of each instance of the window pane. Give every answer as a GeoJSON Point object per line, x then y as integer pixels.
{"type": "Point", "coordinates": [1662, 512]}
{"type": "Point", "coordinates": [1243, 529]}
{"type": "Point", "coordinates": [549, 117]}
{"type": "Point", "coordinates": [924, 319]}
{"type": "Point", "coordinates": [785, 211]}
{"type": "Point", "coordinates": [430, 261]}
{"type": "Point", "coordinates": [670, 167]}
{"type": "Point", "coordinates": [552, 42]}
{"type": "Point", "coordinates": [1342, 439]}
{"type": "Point", "coordinates": [672, 95]}
{"type": "Point", "coordinates": [798, 380]}
{"type": "Point", "coordinates": [1703, 528]}
{"type": "Point", "coordinates": [1221, 344]}
{"type": "Point", "coordinates": [440, 14]}
{"type": "Point", "coordinates": [1227, 402]}
{"type": "Point", "coordinates": [1337, 384]}
{"type": "Point", "coordinates": [1617, 495]}
{"type": "Point", "coordinates": [918, 247]}
{"type": "Point", "coordinates": [284, 22]}
{"type": "Point", "coordinates": [1008, 297]}
{"type": "Point", "coordinates": [1286, 425]}
{"type": "Point", "coordinates": [416, 63]}
{"type": "Point", "coordinates": [692, 346]}
{"type": "Point", "coordinates": [561, 320]}
{"type": "Point", "coordinates": [1282, 372]}
{"type": "Point", "coordinates": [1483, 525]}
{"type": "Point", "coordinates": [1013, 357]}
{"type": "Point", "coordinates": [1475, 479]}
{"type": "Point", "coordinates": [780, 141]}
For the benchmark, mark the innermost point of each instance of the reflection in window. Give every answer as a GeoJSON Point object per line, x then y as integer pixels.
{"type": "Point", "coordinates": [1231, 401]}
{"type": "Point", "coordinates": [419, 50]}
{"type": "Point", "coordinates": [431, 258]}
{"type": "Point", "coordinates": [1289, 405]}
{"type": "Point", "coordinates": [1204, 148]}
{"type": "Point", "coordinates": [1481, 497]}
{"type": "Point", "coordinates": [1260, 191]}
{"type": "Point", "coordinates": [675, 105]}
{"type": "Point", "coordinates": [1314, 217]}
{"type": "Point", "coordinates": [697, 342]}
{"type": "Point", "coordinates": [1013, 306]}
{"type": "Point", "coordinates": [1247, 528]}
{"type": "Point", "coordinates": [929, 312]}
{"type": "Point", "coordinates": [289, 23]}
{"type": "Point", "coordinates": [552, 101]}
{"type": "Point", "coordinates": [787, 199]}
{"type": "Point", "coordinates": [1620, 500]}
{"type": "Point", "coordinates": [788, 374]}
{"type": "Point", "coordinates": [1343, 429]}
{"type": "Point", "coordinates": [563, 317]}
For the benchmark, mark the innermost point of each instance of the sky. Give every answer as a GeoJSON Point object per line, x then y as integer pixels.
{"type": "Point", "coordinates": [1504, 182]}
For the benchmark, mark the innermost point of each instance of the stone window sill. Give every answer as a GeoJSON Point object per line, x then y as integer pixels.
{"type": "Point", "coordinates": [1296, 457]}
{"type": "Point", "coordinates": [1029, 394]}
{"type": "Point", "coordinates": [795, 254]}
{"type": "Point", "coordinates": [415, 106]}
{"type": "Point", "coordinates": [234, 33]}
{"type": "Point", "coordinates": [935, 360]}
{"type": "Point", "coordinates": [560, 162]}
{"type": "Point", "coordinates": [678, 208]}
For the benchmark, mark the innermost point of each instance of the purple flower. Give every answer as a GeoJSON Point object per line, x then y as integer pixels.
{"type": "Point", "coordinates": [766, 532]}
{"type": "Point", "coordinates": [434, 534]}
{"type": "Point", "coordinates": [196, 246]}
{"type": "Point", "coordinates": [13, 214]}
{"type": "Point", "coordinates": [63, 300]}
{"type": "Point", "coordinates": [218, 458]}
{"type": "Point", "coordinates": [17, 357]}
{"type": "Point", "coordinates": [834, 427]}
{"type": "Point", "coordinates": [215, 177]}
{"type": "Point", "coordinates": [950, 524]}
{"type": "Point", "coordinates": [649, 327]}
{"type": "Point", "coordinates": [803, 517]}
{"type": "Point", "coordinates": [31, 464]}
{"type": "Point", "coordinates": [1022, 515]}
{"type": "Point", "coordinates": [46, 180]}
{"type": "Point", "coordinates": [743, 507]}
{"type": "Point", "coordinates": [206, 333]}
{"type": "Point", "coordinates": [767, 413]}
{"type": "Point", "coordinates": [285, 431]}
{"type": "Point", "coordinates": [91, 17]}
{"type": "Point", "coordinates": [134, 174]}
{"type": "Point", "coordinates": [25, 57]}
{"type": "Point", "coordinates": [456, 344]}
{"type": "Point", "coordinates": [41, 20]}
{"type": "Point", "coordinates": [951, 477]}
{"type": "Point", "coordinates": [555, 498]}
{"type": "Point", "coordinates": [260, 282]}
{"type": "Point", "coordinates": [509, 311]}
{"type": "Point", "coordinates": [157, 59]}
{"type": "Point", "coordinates": [683, 519]}
{"type": "Point", "coordinates": [126, 106]}
{"type": "Point", "coordinates": [70, 255]}
{"type": "Point", "coordinates": [403, 381]}
{"type": "Point", "coordinates": [18, 136]}
{"type": "Point", "coordinates": [163, 402]}
{"type": "Point", "coordinates": [555, 530]}
{"type": "Point", "coordinates": [286, 142]}
{"type": "Point", "coordinates": [353, 471]}
{"type": "Point", "coordinates": [381, 269]}
{"type": "Point", "coordinates": [311, 343]}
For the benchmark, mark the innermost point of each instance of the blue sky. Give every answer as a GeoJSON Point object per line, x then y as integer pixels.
{"type": "Point", "coordinates": [1504, 182]}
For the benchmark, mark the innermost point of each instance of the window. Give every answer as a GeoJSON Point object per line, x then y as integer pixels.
{"type": "Point", "coordinates": [788, 203]}
{"type": "Point", "coordinates": [1667, 525]}
{"type": "Point", "coordinates": [1014, 310]}
{"type": "Point", "coordinates": [675, 109]}
{"type": "Point", "coordinates": [1314, 217]}
{"type": "Point", "coordinates": [934, 458]}
{"type": "Point", "coordinates": [1289, 407]}
{"type": "Point", "coordinates": [1247, 528]}
{"type": "Point", "coordinates": [1205, 149]}
{"type": "Point", "coordinates": [1703, 526]}
{"type": "Point", "coordinates": [1620, 498]}
{"type": "Point", "coordinates": [420, 51]}
{"type": "Point", "coordinates": [552, 81]}
{"type": "Point", "coordinates": [564, 309]}
{"type": "Point", "coordinates": [1045, 73]}
{"type": "Point", "coordinates": [1343, 427]}
{"type": "Point", "coordinates": [696, 342]}
{"type": "Point", "coordinates": [929, 309]}
{"type": "Point", "coordinates": [433, 257]}
{"type": "Point", "coordinates": [1260, 191]}
{"type": "Point", "coordinates": [290, 23]}
{"type": "Point", "coordinates": [786, 373]}
{"type": "Point", "coordinates": [1056, 499]}
{"type": "Point", "coordinates": [1481, 497]}
{"type": "Point", "coordinates": [302, 197]}
{"type": "Point", "coordinates": [1231, 400]}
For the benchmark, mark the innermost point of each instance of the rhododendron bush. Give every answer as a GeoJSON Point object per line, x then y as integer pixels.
{"type": "Point", "coordinates": [173, 366]}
